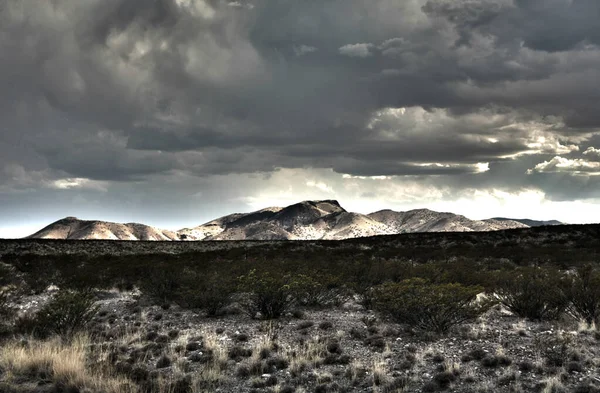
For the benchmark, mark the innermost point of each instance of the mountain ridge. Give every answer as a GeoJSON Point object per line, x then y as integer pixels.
{"type": "Point", "coordinates": [74, 228]}
{"type": "Point", "coordinates": [306, 220]}
{"type": "Point", "coordinates": [529, 222]}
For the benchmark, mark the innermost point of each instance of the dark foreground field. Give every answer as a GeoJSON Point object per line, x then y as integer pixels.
{"type": "Point", "coordinates": [510, 311]}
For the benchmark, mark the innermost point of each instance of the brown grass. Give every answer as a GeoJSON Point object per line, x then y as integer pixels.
{"type": "Point", "coordinates": [62, 362]}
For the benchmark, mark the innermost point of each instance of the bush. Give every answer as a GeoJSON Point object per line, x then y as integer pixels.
{"type": "Point", "coordinates": [7, 290]}
{"type": "Point", "coordinates": [430, 307]}
{"type": "Point", "coordinates": [555, 349]}
{"type": "Point", "coordinates": [321, 292]}
{"type": "Point", "coordinates": [6, 311]}
{"type": "Point", "coordinates": [532, 293]}
{"type": "Point", "coordinates": [583, 292]}
{"type": "Point", "coordinates": [268, 294]}
{"type": "Point", "coordinates": [161, 283]}
{"type": "Point", "coordinates": [38, 272]}
{"type": "Point", "coordinates": [67, 313]}
{"type": "Point", "coordinates": [210, 292]}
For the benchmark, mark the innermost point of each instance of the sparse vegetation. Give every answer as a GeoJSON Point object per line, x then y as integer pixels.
{"type": "Point", "coordinates": [63, 363]}
{"type": "Point", "coordinates": [8, 289]}
{"type": "Point", "coordinates": [269, 295]}
{"type": "Point", "coordinates": [67, 313]}
{"type": "Point", "coordinates": [162, 341]}
{"type": "Point", "coordinates": [426, 306]}
{"type": "Point", "coordinates": [210, 292]}
{"type": "Point", "coordinates": [583, 292]}
{"type": "Point", "coordinates": [532, 292]}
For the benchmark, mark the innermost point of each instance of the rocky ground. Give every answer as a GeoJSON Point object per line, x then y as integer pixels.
{"type": "Point", "coordinates": [346, 349]}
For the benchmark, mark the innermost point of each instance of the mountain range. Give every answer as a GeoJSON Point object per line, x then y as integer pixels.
{"type": "Point", "coordinates": [308, 220]}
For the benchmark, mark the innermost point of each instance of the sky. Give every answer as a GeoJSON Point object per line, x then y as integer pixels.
{"type": "Point", "coordinates": [175, 112]}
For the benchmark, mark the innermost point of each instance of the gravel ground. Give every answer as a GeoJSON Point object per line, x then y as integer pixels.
{"type": "Point", "coordinates": [345, 349]}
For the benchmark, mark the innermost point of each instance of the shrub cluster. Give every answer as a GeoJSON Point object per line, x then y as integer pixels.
{"type": "Point", "coordinates": [583, 291]}
{"type": "Point", "coordinates": [273, 293]}
{"type": "Point", "coordinates": [210, 292]}
{"type": "Point", "coordinates": [269, 294]}
{"type": "Point", "coordinates": [326, 291]}
{"type": "Point", "coordinates": [161, 282]}
{"type": "Point", "coordinates": [432, 307]}
{"type": "Point", "coordinates": [532, 292]}
{"type": "Point", "coordinates": [325, 274]}
{"type": "Point", "coordinates": [7, 289]}
{"type": "Point", "coordinates": [6, 311]}
{"type": "Point", "coordinates": [67, 313]}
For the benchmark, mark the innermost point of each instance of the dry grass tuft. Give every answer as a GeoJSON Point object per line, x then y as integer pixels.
{"type": "Point", "coordinates": [584, 327]}
{"type": "Point", "coordinates": [380, 372]}
{"type": "Point", "coordinates": [553, 385]}
{"type": "Point", "coordinates": [61, 362]}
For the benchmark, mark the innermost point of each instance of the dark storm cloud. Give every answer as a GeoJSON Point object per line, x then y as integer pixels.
{"type": "Point", "coordinates": [126, 90]}
{"type": "Point", "coordinates": [549, 25]}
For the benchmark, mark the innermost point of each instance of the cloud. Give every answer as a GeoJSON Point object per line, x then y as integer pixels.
{"type": "Point", "coordinates": [134, 93]}
{"type": "Point", "coordinates": [69, 183]}
{"type": "Point", "coordinates": [320, 186]}
{"type": "Point", "coordinates": [302, 50]}
{"type": "Point", "coordinates": [565, 165]}
{"type": "Point", "coordinates": [356, 50]}
{"type": "Point", "coordinates": [592, 151]}
{"type": "Point", "coordinates": [238, 4]}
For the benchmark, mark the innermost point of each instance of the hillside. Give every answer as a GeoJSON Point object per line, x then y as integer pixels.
{"type": "Point", "coordinates": [307, 220]}
{"type": "Point", "coordinates": [74, 228]}
{"type": "Point", "coordinates": [530, 223]}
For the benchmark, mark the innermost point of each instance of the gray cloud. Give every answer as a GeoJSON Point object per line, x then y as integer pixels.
{"type": "Point", "coordinates": [560, 164]}
{"type": "Point", "coordinates": [133, 91]}
{"type": "Point", "coordinates": [356, 50]}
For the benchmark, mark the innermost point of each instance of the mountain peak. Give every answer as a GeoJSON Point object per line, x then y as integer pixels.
{"type": "Point", "coordinates": [322, 201]}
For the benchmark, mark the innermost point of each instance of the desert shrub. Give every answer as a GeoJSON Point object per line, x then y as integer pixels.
{"type": "Point", "coordinates": [430, 307]}
{"type": "Point", "coordinates": [531, 292]}
{"type": "Point", "coordinates": [163, 362]}
{"type": "Point", "coordinates": [555, 349]}
{"type": "Point", "coordinates": [583, 292]}
{"type": "Point", "coordinates": [6, 311]}
{"type": "Point", "coordinates": [9, 288]}
{"type": "Point", "coordinates": [4, 307]}
{"type": "Point", "coordinates": [444, 379]}
{"type": "Point", "coordinates": [321, 292]}
{"type": "Point", "coordinates": [493, 361]}
{"type": "Point", "coordinates": [237, 353]}
{"type": "Point", "coordinates": [366, 296]}
{"type": "Point", "coordinates": [305, 325]}
{"type": "Point", "coordinates": [271, 295]}
{"type": "Point", "coordinates": [325, 325]}
{"type": "Point", "coordinates": [67, 313]}
{"type": "Point", "coordinates": [362, 276]}
{"type": "Point", "coordinates": [210, 292]}
{"type": "Point", "coordinates": [161, 283]}
{"type": "Point", "coordinates": [460, 271]}
{"type": "Point", "coordinates": [38, 272]}
{"type": "Point", "coordinates": [376, 341]}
